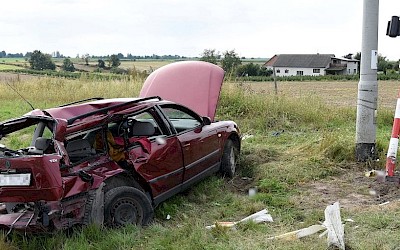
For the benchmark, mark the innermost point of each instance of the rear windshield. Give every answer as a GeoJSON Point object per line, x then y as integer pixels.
{"type": "Point", "coordinates": [20, 136]}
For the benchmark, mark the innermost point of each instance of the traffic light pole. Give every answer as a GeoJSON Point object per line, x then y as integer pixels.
{"type": "Point", "coordinates": [368, 85]}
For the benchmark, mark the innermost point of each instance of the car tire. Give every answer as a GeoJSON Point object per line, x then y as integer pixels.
{"type": "Point", "coordinates": [229, 159]}
{"type": "Point", "coordinates": [127, 205]}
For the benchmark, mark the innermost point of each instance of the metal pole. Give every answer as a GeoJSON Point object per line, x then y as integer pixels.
{"type": "Point", "coordinates": [368, 85]}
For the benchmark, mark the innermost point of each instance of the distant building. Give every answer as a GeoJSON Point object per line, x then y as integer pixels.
{"type": "Point", "coordinates": [311, 65]}
{"type": "Point", "coordinates": [56, 54]}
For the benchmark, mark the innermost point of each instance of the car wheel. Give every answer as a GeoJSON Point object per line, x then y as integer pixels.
{"type": "Point", "coordinates": [229, 159]}
{"type": "Point", "coordinates": [127, 205]}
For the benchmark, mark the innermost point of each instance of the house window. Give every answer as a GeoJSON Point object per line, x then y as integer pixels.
{"type": "Point", "coordinates": [299, 73]}
{"type": "Point", "coordinates": [349, 72]}
{"type": "Point", "coordinates": [355, 71]}
{"type": "Point", "coordinates": [316, 71]}
{"type": "Point", "coordinates": [286, 71]}
{"type": "Point", "coordinates": [278, 71]}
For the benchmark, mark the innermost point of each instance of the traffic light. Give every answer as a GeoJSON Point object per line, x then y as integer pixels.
{"type": "Point", "coordinates": [393, 28]}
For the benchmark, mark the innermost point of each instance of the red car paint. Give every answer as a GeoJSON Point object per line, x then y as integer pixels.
{"type": "Point", "coordinates": [67, 183]}
{"type": "Point", "coordinates": [198, 85]}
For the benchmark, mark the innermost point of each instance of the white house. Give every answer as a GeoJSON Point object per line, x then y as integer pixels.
{"type": "Point", "coordinates": [311, 65]}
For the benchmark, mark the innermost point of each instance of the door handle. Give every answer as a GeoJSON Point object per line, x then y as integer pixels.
{"type": "Point", "coordinates": [140, 160]}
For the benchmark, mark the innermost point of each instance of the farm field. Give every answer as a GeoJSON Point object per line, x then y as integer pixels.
{"type": "Point", "coordinates": [9, 67]}
{"type": "Point", "coordinates": [299, 153]}
{"type": "Point", "coordinates": [142, 65]}
{"type": "Point", "coordinates": [340, 93]}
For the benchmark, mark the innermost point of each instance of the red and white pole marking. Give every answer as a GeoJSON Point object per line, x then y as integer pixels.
{"type": "Point", "coordinates": [394, 141]}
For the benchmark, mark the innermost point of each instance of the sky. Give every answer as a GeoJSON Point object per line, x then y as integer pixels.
{"type": "Point", "coordinates": [253, 28]}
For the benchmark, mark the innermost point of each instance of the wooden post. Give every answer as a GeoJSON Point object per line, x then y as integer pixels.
{"type": "Point", "coordinates": [275, 84]}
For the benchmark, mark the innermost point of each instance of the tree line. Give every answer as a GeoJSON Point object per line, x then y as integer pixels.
{"type": "Point", "coordinates": [232, 64]}
{"type": "Point", "coordinates": [129, 56]}
{"type": "Point", "coordinates": [42, 61]}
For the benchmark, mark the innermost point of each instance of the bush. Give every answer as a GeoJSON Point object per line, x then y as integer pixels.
{"type": "Point", "coordinates": [101, 64]}
{"type": "Point", "coordinates": [40, 61]}
{"type": "Point", "coordinates": [116, 70]}
{"type": "Point", "coordinates": [252, 69]}
{"type": "Point", "coordinates": [68, 65]}
{"type": "Point", "coordinates": [114, 61]}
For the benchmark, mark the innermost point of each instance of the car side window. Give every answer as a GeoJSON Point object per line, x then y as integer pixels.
{"type": "Point", "coordinates": [182, 119]}
{"type": "Point", "coordinates": [141, 124]}
{"type": "Point", "coordinates": [86, 144]}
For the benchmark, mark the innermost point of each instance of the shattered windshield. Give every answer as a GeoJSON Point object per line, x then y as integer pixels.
{"type": "Point", "coordinates": [25, 136]}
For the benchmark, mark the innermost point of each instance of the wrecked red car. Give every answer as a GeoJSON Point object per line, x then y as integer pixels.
{"type": "Point", "coordinates": [112, 161]}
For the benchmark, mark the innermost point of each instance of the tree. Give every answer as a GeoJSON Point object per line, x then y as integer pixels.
{"type": "Point", "coordinates": [114, 61]}
{"type": "Point", "coordinates": [230, 61]}
{"type": "Point", "coordinates": [383, 64]}
{"type": "Point", "coordinates": [86, 57]}
{"type": "Point", "coordinates": [40, 61]}
{"type": "Point", "coordinates": [210, 56]}
{"type": "Point", "coordinates": [68, 65]}
{"type": "Point", "coordinates": [251, 69]}
{"type": "Point", "coordinates": [101, 64]}
{"type": "Point", "coordinates": [348, 56]}
{"type": "Point", "coordinates": [357, 56]}
{"type": "Point", "coordinates": [28, 54]}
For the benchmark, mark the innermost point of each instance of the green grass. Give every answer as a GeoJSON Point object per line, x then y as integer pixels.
{"type": "Point", "coordinates": [4, 67]}
{"type": "Point", "coordinates": [297, 141]}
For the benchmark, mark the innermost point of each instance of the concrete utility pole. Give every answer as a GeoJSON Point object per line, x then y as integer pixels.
{"type": "Point", "coordinates": [368, 85]}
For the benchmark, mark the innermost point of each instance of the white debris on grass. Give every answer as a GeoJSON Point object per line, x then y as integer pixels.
{"type": "Point", "coordinates": [252, 191]}
{"type": "Point", "coordinates": [261, 216]}
{"type": "Point", "coordinates": [385, 203]}
{"type": "Point", "coordinates": [300, 233]}
{"type": "Point", "coordinates": [247, 136]}
{"type": "Point", "coordinates": [332, 224]}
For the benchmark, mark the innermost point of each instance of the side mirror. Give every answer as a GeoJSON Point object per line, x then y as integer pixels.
{"type": "Point", "coordinates": [206, 120]}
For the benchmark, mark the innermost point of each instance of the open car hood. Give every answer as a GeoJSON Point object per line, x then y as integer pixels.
{"type": "Point", "coordinates": [194, 84]}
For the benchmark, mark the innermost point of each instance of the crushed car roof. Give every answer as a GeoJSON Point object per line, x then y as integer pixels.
{"type": "Point", "coordinates": [72, 112]}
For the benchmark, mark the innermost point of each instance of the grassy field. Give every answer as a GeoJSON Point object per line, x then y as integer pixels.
{"type": "Point", "coordinates": [300, 157]}
{"type": "Point", "coordinates": [13, 60]}
{"type": "Point", "coordinates": [9, 67]}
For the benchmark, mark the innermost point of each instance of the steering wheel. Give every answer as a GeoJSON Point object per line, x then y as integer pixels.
{"type": "Point", "coordinates": [123, 126]}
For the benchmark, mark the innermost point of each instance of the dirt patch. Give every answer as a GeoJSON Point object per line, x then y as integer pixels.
{"type": "Point", "coordinates": [351, 189]}
{"type": "Point", "coordinates": [240, 184]}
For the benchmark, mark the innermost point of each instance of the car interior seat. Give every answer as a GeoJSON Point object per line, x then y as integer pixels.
{"type": "Point", "coordinates": [140, 128]}
{"type": "Point", "coordinates": [41, 145]}
{"type": "Point", "coordinates": [79, 149]}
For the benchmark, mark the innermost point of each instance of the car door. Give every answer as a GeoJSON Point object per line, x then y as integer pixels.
{"type": "Point", "coordinates": [155, 153]}
{"type": "Point", "coordinates": [200, 146]}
